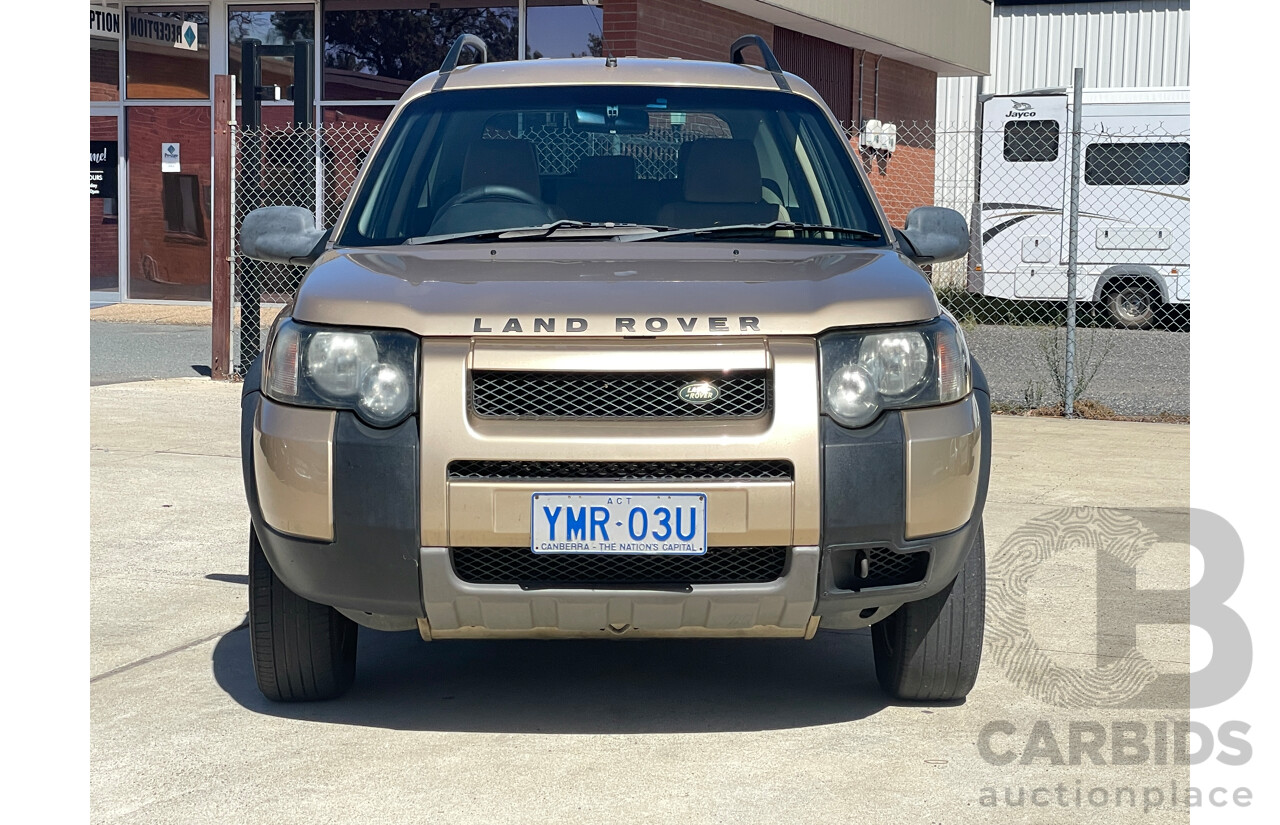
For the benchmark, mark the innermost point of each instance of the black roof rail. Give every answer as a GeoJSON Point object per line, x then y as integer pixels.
{"type": "Point", "coordinates": [770, 61]}
{"type": "Point", "coordinates": [455, 52]}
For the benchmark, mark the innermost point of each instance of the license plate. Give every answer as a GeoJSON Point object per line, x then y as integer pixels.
{"type": "Point", "coordinates": [632, 523]}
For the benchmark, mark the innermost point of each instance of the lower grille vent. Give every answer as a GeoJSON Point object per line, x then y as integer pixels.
{"type": "Point", "coordinates": [858, 569]}
{"type": "Point", "coordinates": [520, 565]}
{"type": "Point", "coordinates": [621, 470]}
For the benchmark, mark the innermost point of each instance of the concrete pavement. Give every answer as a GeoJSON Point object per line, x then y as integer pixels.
{"type": "Point", "coordinates": [715, 731]}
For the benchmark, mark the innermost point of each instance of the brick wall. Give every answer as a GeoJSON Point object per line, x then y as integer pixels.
{"type": "Point", "coordinates": [908, 94]}
{"type": "Point", "coordinates": [902, 180]}
{"type": "Point", "coordinates": [689, 29]}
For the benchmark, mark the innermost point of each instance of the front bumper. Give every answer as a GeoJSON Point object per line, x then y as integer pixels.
{"type": "Point", "coordinates": [906, 493]}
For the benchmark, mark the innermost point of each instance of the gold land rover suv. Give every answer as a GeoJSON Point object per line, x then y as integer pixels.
{"type": "Point", "coordinates": [614, 349]}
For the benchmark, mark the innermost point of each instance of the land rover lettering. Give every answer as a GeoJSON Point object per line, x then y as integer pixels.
{"type": "Point", "coordinates": [651, 325]}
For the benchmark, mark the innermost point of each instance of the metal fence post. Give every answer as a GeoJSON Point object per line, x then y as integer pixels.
{"type": "Point", "coordinates": [233, 231]}
{"type": "Point", "coordinates": [248, 278]}
{"type": "Point", "coordinates": [1073, 253]}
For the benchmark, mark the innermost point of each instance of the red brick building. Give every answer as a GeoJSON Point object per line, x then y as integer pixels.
{"type": "Point", "coordinates": [151, 70]}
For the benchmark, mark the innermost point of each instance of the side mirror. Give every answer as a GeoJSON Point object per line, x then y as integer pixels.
{"type": "Point", "coordinates": [282, 235]}
{"type": "Point", "coordinates": [934, 234]}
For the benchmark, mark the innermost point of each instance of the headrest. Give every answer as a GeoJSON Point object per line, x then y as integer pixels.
{"type": "Point", "coordinates": [722, 171]}
{"type": "Point", "coordinates": [682, 155]}
{"type": "Point", "coordinates": [607, 168]}
{"type": "Point", "coordinates": [501, 163]}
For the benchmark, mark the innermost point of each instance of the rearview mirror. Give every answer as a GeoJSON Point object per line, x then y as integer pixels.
{"type": "Point", "coordinates": [617, 120]}
{"type": "Point", "coordinates": [934, 234]}
{"type": "Point", "coordinates": [282, 235]}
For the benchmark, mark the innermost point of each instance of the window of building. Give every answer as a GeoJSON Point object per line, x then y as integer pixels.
{"type": "Point", "coordinates": [1137, 164]}
{"type": "Point", "coordinates": [166, 52]}
{"type": "Point", "coordinates": [563, 28]}
{"type": "Point", "coordinates": [270, 26]}
{"type": "Point", "coordinates": [375, 51]}
{"type": "Point", "coordinates": [104, 51]}
{"type": "Point", "coordinates": [1031, 141]}
{"type": "Point", "coordinates": [104, 230]}
{"type": "Point", "coordinates": [183, 210]}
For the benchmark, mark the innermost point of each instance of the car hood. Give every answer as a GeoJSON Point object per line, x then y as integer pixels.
{"type": "Point", "coordinates": [610, 288]}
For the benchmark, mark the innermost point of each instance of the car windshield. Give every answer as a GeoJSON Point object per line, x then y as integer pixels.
{"type": "Point", "coordinates": [459, 166]}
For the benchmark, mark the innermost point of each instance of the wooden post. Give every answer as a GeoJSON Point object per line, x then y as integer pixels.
{"type": "Point", "coordinates": [221, 366]}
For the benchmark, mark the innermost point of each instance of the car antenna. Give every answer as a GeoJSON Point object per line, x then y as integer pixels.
{"type": "Point", "coordinates": [610, 61]}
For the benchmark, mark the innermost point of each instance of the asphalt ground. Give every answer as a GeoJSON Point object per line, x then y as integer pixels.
{"type": "Point", "coordinates": [640, 731]}
{"type": "Point", "coordinates": [146, 351]}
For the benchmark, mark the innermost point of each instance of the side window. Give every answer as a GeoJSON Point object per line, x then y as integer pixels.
{"type": "Point", "coordinates": [1137, 164]}
{"type": "Point", "coordinates": [1031, 141]}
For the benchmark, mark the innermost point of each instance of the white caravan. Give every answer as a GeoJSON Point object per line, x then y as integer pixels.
{"type": "Point", "coordinates": [1135, 199]}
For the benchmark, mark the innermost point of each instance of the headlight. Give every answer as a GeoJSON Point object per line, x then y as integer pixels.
{"type": "Point", "coordinates": [866, 372]}
{"type": "Point", "coordinates": [895, 361]}
{"type": "Point", "coordinates": [370, 371]}
{"type": "Point", "coordinates": [336, 361]}
{"type": "Point", "coordinates": [852, 397]}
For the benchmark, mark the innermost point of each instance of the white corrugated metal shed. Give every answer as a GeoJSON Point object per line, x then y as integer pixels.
{"type": "Point", "coordinates": [1125, 43]}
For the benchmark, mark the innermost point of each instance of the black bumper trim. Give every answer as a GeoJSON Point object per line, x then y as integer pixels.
{"type": "Point", "coordinates": [864, 503]}
{"type": "Point", "coordinates": [372, 563]}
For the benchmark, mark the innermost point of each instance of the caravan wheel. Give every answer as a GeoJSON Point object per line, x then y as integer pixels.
{"type": "Point", "coordinates": [1133, 305]}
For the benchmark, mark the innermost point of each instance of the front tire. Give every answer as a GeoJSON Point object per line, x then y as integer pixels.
{"type": "Point", "coordinates": [929, 651]}
{"type": "Point", "coordinates": [302, 651]}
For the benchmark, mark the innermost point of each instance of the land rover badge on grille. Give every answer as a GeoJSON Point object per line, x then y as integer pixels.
{"type": "Point", "coordinates": [699, 392]}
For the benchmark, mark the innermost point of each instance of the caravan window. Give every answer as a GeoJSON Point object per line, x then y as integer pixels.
{"type": "Point", "coordinates": [1137, 164]}
{"type": "Point", "coordinates": [1031, 141]}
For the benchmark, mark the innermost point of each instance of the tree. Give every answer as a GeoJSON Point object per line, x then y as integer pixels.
{"type": "Point", "coordinates": [285, 26]}
{"type": "Point", "coordinates": [409, 43]}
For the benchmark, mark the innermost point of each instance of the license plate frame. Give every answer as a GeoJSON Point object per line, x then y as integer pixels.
{"type": "Point", "coordinates": [550, 530]}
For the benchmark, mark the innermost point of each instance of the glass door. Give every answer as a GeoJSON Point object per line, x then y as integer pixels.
{"type": "Point", "coordinates": [167, 134]}
{"type": "Point", "coordinates": [105, 157]}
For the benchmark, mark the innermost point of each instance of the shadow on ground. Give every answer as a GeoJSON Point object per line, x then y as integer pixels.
{"type": "Point", "coordinates": [584, 687]}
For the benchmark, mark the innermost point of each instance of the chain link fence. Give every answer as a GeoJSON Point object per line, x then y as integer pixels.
{"type": "Point", "coordinates": [310, 167]}
{"type": "Point", "coordinates": [1011, 183]}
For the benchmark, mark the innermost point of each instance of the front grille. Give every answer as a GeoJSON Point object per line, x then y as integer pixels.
{"type": "Point", "coordinates": [520, 565]}
{"type": "Point", "coordinates": [520, 394]}
{"type": "Point", "coordinates": [621, 470]}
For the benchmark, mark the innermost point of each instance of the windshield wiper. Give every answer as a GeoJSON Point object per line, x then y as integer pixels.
{"type": "Point", "coordinates": [524, 233]}
{"type": "Point", "coordinates": [747, 228]}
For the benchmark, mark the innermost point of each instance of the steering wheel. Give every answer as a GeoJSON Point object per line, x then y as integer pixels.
{"type": "Point", "coordinates": [492, 192]}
